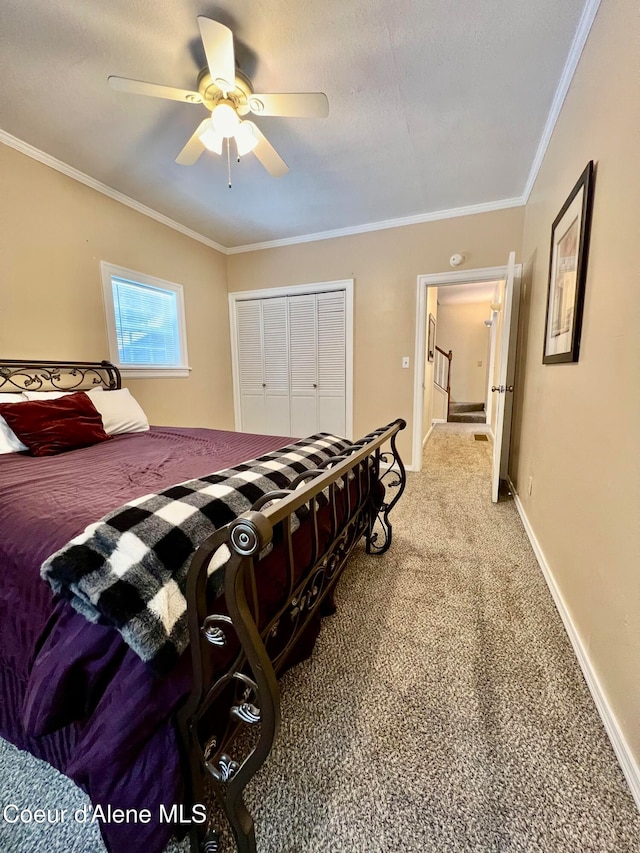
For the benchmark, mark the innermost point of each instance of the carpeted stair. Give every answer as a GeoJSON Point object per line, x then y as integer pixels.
{"type": "Point", "coordinates": [467, 413]}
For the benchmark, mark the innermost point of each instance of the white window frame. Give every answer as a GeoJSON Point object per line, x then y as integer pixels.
{"type": "Point", "coordinates": [142, 371]}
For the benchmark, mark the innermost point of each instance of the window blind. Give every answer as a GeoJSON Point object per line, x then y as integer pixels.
{"type": "Point", "coordinates": [147, 326]}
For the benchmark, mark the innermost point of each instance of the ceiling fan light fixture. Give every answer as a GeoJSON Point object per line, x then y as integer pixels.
{"type": "Point", "coordinates": [224, 119]}
{"type": "Point", "coordinates": [246, 140]}
{"type": "Point", "coordinates": [227, 93]}
{"type": "Point", "coordinates": [224, 85]}
{"type": "Point", "coordinates": [255, 104]}
{"type": "Point", "coordinates": [211, 139]}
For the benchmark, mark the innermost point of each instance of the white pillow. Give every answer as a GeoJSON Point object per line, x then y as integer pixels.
{"type": "Point", "coordinates": [120, 411]}
{"type": "Point", "coordinates": [9, 441]}
{"type": "Point", "coordinates": [52, 395]}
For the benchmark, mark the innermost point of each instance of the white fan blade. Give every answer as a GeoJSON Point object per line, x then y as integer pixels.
{"type": "Point", "coordinates": [302, 105]}
{"type": "Point", "coordinates": [194, 147]}
{"type": "Point", "coordinates": [267, 154]}
{"type": "Point", "coordinates": [139, 87]}
{"type": "Point", "coordinates": [218, 47]}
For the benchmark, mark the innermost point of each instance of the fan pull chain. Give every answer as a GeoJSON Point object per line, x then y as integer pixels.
{"type": "Point", "coordinates": [229, 162]}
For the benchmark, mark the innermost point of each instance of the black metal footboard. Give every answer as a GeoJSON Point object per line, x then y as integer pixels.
{"type": "Point", "coordinates": [243, 640]}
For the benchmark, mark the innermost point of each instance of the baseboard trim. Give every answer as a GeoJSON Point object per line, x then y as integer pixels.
{"type": "Point", "coordinates": [428, 435]}
{"type": "Point", "coordinates": [626, 759]}
{"type": "Point", "coordinates": [438, 421]}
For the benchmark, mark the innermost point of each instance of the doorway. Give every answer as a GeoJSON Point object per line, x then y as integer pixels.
{"type": "Point", "coordinates": [510, 273]}
{"type": "Point", "coordinates": [465, 345]}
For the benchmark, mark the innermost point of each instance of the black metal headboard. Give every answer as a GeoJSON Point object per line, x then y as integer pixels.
{"type": "Point", "coordinates": [17, 376]}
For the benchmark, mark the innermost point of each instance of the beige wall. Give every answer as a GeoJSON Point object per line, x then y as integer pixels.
{"type": "Point", "coordinates": [54, 233]}
{"type": "Point", "coordinates": [429, 399]}
{"type": "Point", "coordinates": [385, 266]}
{"type": "Point", "coordinates": [577, 424]}
{"type": "Point", "coordinates": [461, 329]}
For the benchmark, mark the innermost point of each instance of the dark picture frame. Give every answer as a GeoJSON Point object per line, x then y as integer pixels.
{"type": "Point", "coordinates": [568, 273]}
{"type": "Point", "coordinates": [431, 341]}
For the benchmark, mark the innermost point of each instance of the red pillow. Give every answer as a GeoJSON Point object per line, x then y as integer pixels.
{"type": "Point", "coordinates": [53, 426]}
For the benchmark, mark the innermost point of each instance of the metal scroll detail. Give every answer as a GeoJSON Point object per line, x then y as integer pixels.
{"type": "Point", "coordinates": [211, 843]}
{"type": "Point", "coordinates": [17, 376]}
{"type": "Point", "coordinates": [246, 713]}
{"type": "Point", "coordinates": [227, 767]}
{"type": "Point", "coordinates": [246, 710]}
{"type": "Point", "coordinates": [393, 476]}
{"type": "Point", "coordinates": [221, 767]}
{"type": "Point", "coordinates": [212, 632]}
{"type": "Point", "coordinates": [238, 657]}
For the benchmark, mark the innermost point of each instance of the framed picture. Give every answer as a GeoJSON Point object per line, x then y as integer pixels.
{"type": "Point", "coordinates": [431, 343]}
{"type": "Point", "coordinates": [568, 272]}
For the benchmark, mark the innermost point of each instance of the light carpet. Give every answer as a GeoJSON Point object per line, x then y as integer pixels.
{"type": "Point", "coordinates": [443, 708]}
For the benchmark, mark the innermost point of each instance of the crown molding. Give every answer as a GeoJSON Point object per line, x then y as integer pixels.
{"type": "Point", "coordinates": [485, 207]}
{"type": "Point", "coordinates": [87, 180]}
{"type": "Point", "coordinates": [71, 172]}
{"type": "Point", "coordinates": [577, 46]}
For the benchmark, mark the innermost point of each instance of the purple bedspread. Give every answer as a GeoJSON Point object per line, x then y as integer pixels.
{"type": "Point", "coordinates": [71, 692]}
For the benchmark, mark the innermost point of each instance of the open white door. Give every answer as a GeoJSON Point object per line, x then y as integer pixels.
{"type": "Point", "coordinates": [503, 400]}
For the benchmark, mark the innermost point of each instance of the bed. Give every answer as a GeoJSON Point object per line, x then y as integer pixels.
{"type": "Point", "coordinates": [139, 731]}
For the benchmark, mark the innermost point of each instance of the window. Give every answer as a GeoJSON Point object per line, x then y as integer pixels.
{"type": "Point", "coordinates": [145, 323]}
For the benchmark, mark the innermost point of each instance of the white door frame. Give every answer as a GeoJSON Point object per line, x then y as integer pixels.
{"type": "Point", "coordinates": [295, 290]}
{"type": "Point", "coordinates": [424, 282]}
{"type": "Point", "coordinates": [492, 363]}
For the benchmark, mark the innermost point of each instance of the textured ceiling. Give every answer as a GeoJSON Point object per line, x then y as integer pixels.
{"type": "Point", "coordinates": [433, 105]}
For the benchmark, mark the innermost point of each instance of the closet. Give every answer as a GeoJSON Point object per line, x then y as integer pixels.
{"type": "Point", "coordinates": [291, 364]}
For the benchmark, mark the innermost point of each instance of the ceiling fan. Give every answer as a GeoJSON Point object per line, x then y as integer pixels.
{"type": "Point", "coordinates": [228, 94]}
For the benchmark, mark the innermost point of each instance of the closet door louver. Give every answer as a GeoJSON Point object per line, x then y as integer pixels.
{"type": "Point", "coordinates": [250, 365]}
{"type": "Point", "coordinates": [303, 349]}
{"type": "Point", "coordinates": [292, 364]}
{"type": "Point", "coordinates": [331, 362]}
{"type": "Point", "coordinates": [275, 337]}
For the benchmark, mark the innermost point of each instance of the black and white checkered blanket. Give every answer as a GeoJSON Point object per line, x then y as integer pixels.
{"type": "Point", "coordinates": [129, 569]}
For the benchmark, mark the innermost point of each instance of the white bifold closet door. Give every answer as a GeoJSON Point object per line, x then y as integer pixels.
{"type": "Point", "coordinates": [317, 363]}
{"type": "Point", "coordinates": [250, 365]}
{"type": "Point", "coordinates": [263, 365]}
{"type": "Point", "coordinates": [292, 364]}
{"type": "Point", "coordinates": [276, 366]}
{"type": "Point", "coordinates": [303, 353]}
{"type": "Point", "coordinates": [332, 358]}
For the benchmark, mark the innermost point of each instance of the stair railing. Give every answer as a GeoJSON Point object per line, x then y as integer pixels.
{"type": "Point", "coordinates": [442, 373]}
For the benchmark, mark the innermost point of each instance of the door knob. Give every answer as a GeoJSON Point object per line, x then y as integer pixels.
{"type": "Point", "coordinates": [509, 387]}
{"type": "Point", "coordinates": [494, 388]}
